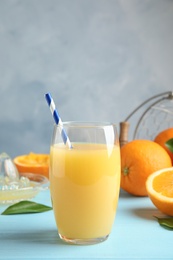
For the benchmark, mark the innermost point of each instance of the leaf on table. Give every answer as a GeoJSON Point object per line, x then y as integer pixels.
{"type": "Point", "coordinates": [25, 207]}
{"type": "Point", "coordinates": [169, 144]}
{"type": "Point", "coordinates": [165, 222]}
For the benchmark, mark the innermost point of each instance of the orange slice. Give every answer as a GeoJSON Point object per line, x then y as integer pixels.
{"type": "Point", "coordinates": [34, 163]}
{"type": "Point", "coordinates": [159, 186]}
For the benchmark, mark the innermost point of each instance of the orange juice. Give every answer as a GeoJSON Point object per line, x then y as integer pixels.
{"type": "Point", "coordinates": [84, 183]}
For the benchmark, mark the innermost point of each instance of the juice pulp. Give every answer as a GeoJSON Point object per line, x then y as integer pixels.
{"type": "Point", "coordinates": [84, 184]}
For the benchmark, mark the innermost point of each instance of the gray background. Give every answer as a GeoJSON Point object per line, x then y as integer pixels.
{"type": "Point", "coordinates": [99, 59]}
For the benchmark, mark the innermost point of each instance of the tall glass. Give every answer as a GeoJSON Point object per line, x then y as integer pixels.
{"type": "Point", "coordinates": [85, 181]}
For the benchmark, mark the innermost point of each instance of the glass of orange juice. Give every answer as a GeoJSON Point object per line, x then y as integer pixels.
{"type": "Point", "coordinates": [85, 181]}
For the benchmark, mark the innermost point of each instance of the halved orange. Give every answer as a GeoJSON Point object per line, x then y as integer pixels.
{"type": "Point", "coordinates": [34, 163]}
{"type": "Point", "coordinates": [159, 186]}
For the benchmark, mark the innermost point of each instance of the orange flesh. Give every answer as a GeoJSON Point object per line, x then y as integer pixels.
{"type": "Point", "coordinates": [33, 159]}
{"type": "Point", "coordinates": [163, 184]}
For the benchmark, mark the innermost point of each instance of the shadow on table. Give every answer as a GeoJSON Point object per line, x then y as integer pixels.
{"type": "Point", "coordinates": [139, 206]}
{"type": "Point", "coordinates": [145, 213]}
{"type": "Point", "coordinates": [41, 237]}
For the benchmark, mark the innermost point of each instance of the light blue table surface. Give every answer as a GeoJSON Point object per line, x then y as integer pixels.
{"type": "Point", "coordinates": [135, 235]}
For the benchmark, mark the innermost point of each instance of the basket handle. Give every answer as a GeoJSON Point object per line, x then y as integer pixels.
{"type": "Point", "coordinates": [124, 129]}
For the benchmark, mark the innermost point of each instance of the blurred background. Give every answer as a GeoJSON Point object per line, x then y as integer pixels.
{"type": "Point", "coordinates": [98, 58]}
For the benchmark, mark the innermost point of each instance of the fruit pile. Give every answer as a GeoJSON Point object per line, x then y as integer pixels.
{"type": "Point", "coordinates": [147, 170]}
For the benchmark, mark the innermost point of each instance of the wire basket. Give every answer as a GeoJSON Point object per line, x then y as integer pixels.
{"type": "Point", "coordinates": [157, 116]}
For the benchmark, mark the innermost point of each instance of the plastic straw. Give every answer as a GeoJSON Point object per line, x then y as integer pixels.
{"type": "Point", "coordinates": [57, 120]}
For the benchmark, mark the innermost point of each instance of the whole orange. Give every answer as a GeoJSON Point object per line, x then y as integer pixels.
{"type": "Point", "coordinates": [139, 159]}
{"type": "Point", "coordinates": [164, 136]}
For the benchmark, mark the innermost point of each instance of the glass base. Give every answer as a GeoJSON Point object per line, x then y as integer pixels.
{"type": "Point", "coordinates": [83, 241]}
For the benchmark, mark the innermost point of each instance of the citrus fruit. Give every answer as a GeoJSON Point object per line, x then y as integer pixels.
{"type": "Point", "coordinates": [139, 159]}
{"type": "Point", "coordinates": [163, 137]}
{"type": "Point", "coordinates": [160, 190]}
{"type": "Point", "coordinates": [34, 163]}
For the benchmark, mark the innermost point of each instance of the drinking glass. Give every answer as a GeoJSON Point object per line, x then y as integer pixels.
{"type": "Point", "coordinates": [85, 181]}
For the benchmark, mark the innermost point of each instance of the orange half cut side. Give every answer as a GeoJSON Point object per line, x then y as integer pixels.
{"type": "Point", "coordinates": [159, 186]}
{"type": "Point", "coordinates": [33, 163]}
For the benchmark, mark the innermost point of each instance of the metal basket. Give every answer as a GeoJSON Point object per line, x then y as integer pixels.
{"type": "Point", "coordinates": [157, 116]}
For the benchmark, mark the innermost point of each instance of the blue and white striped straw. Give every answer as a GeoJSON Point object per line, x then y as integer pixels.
{"type": "Point", "coordinates": [58, 120]}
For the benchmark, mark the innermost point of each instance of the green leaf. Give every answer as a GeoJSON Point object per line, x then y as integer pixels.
{"type": "Point", "coordinates": [25, 207]}
{"type": "Point", "coordinates": [169, 144]}
{"type": "Point", "coordinates": [165, 222]}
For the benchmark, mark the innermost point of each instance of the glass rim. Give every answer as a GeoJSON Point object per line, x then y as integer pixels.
{"type": "Point", "coordinates": [89, 124]}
